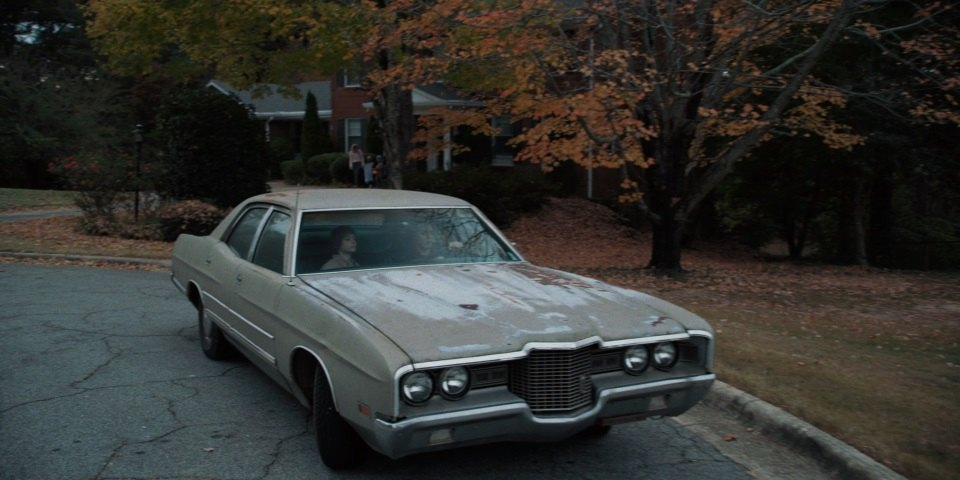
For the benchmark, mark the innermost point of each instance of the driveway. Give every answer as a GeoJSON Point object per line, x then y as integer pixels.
{"type": "Point", "coordinates": [103, 377]}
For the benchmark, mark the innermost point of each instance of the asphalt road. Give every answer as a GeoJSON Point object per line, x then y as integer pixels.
{"type": "Point", "coordinates": [103, 377]}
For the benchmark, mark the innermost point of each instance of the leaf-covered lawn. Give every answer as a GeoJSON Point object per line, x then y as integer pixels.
{"type": "Point", "coordinates": [59, 235]}
{"type": "Point", "coordinates": [868, 355]}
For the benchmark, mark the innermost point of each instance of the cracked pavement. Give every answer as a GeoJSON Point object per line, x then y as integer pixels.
{"type": "Point", "coordinates": [103, 377]}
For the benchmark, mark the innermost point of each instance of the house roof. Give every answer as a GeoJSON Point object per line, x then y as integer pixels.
{"type": "Point", "coordinates": [272, 102]}
{"type": "Point", "coordinates": [439, 95]}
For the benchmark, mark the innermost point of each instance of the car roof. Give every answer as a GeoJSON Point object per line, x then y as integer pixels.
{"type": "Point", "coordinates": [347, 198]}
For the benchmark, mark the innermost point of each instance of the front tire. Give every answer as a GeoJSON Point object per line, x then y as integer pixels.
{"type": "Point", "coordinates": [215, 345]}
{"type": "Point", "coordinates": [340, 446]}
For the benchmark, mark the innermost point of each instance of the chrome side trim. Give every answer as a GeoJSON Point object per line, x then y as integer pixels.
{"type": "Point", "coordinates": [236, 334]}
{"type": "Point", "coordinates": [241, 317]}
{"type": "Point", "coordinates": [177, 284]}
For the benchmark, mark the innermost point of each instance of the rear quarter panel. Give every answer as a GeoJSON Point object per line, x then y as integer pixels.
{"type": "Point", "coordinates": [189, 254]}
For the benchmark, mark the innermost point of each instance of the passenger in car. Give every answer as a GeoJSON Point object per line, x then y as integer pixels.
{"type": "Point", "coordinates": [344, 243]}
{"type": "Point", "coordinates": [426, 246]}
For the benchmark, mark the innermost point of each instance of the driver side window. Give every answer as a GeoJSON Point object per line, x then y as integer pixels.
{"type": "Point", "coordinates": [269, 250]}
{"type": "Point", "coordinates": [241, 239]}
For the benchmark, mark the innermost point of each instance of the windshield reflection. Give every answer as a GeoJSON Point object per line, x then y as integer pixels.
{"type": "Point", "coordinates": [360, 239]}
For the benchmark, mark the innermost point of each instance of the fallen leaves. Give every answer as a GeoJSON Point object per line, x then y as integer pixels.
{"type": "Point", "coordinates": [591, 239]}
{"type": "Point", "coordinates": [59, 235]}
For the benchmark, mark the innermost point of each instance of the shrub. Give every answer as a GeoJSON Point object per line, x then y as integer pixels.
{"type": "Point", "coordinates": [315, 171]}
{"type": "Point", "coordinates": [99, 180]}
{"type": "Point", "coordinates": [192, 217]}
{"type": "Point", "coordinates": [215, 149]}
{"type": "Point", "coordinates": [281, 150]}
{"type": "Point", "coordinates": [501, 194]}
{"type": "Point", "coordinates": [340, 170]}
{"type": "Point", "coordinates": [318, 167]}
{"type": "Point", "coordinates": [293, 172]}
{"type": "Point", "coordinates": [314, 134]}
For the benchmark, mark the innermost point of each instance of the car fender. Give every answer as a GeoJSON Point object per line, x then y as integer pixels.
{"type": "Point", "coordinates": [358, 360]}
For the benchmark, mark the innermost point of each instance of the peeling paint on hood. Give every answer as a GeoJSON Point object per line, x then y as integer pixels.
{"type": "Point", "coordinates": [451, 311]}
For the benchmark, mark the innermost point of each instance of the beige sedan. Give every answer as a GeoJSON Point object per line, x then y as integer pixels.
{"type": "Point", "coordinates": [408, 323]}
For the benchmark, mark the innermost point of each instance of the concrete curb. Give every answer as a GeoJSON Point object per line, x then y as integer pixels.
{"type": "Point", "coordinates": [840, 459]}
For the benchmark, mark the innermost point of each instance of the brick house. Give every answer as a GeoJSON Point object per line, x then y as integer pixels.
{"type": "Point", "coordinates": [345, 110]}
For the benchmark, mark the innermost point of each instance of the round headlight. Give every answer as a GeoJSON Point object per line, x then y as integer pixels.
{"type": "Point", "coordinates": [454, 382]}
{"type": "Point", "coordinates": [664, 355]}
{"type": "Point", "coordinates": [417, 387]}
{"type": "Point", "coordinates": [636, 359]}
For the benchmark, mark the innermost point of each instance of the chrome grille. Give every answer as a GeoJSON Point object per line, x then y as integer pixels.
{"type": "Point", "coordinates": [554, 381]}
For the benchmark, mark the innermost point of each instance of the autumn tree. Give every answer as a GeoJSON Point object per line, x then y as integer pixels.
{"type": "Point", "coordinates": [673, 94]}
{"type": "Point", "coordinates": [253, 42]}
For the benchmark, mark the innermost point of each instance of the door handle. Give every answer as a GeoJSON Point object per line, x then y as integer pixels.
{"type": "Point", "coordinates": [239, 278]}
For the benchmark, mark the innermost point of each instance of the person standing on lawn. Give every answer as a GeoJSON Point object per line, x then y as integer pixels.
{"type": "Point", "coordinates": [356, 164]}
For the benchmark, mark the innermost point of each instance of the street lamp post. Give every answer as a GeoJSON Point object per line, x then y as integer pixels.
{"type": "Point", "coordinates": [138, 139]}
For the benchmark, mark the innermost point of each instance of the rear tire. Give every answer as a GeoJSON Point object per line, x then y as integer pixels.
{"type": "Point", "coordinates": [215, 346]}
{"type": "Point", "coordinates": [340, 446]}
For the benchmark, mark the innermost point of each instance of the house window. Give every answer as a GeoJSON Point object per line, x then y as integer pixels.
{"type": "Point", "coordinates": [350, 79]}
{"type": "Point", "coordinates": [502, 153]}
{"type": "Point", "coordinates": [353, 132]}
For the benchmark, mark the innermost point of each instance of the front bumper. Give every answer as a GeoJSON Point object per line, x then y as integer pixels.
{"type": "Point", "coordinates": [515, 422]}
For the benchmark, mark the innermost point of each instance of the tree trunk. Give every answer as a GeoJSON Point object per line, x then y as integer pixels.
{"type": "Point", "coordinates": [798, 229]}
{"type": "Point", "coordinates": [667, 226]}
{"type": "Point", "coordinates": [666, 251]}
{"type": "Point", "coordinates": [882, 220]}
{"type": "Point", "coordinates": [853, 244]}
{"type": "Point", "coordinates": [394, 107]}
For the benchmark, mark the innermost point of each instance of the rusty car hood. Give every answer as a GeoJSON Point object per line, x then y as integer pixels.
{"type": "Point", "coordinates": [452, 311]}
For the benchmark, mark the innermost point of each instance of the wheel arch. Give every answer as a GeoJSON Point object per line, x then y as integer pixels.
{"type": "Point", "coordinates": [194, 295]}
{"type": "Point", "coordinates": [303, 371]}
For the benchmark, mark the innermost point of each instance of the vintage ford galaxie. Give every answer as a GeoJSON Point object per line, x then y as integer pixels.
{"type": "Point", "coordinates": [408, 323]}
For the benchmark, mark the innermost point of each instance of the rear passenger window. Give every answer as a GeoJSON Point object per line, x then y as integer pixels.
{"type": "Point", "coordinates": [269, 253]}
{"type": "Point", "coordinates": [243, 233]}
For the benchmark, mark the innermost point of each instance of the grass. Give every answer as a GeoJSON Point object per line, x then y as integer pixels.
{"type": "Point", "coordinates": [12, 199]}
{"type": "Point", "coordinates": [879, 372]}
{"type": "Point", "coordinates": [894, 402]}
{"type": "Point", "coordinates": [870, 356]}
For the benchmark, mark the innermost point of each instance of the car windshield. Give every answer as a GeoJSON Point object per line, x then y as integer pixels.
{"type": "Point", "coordinates": [360, 239]}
